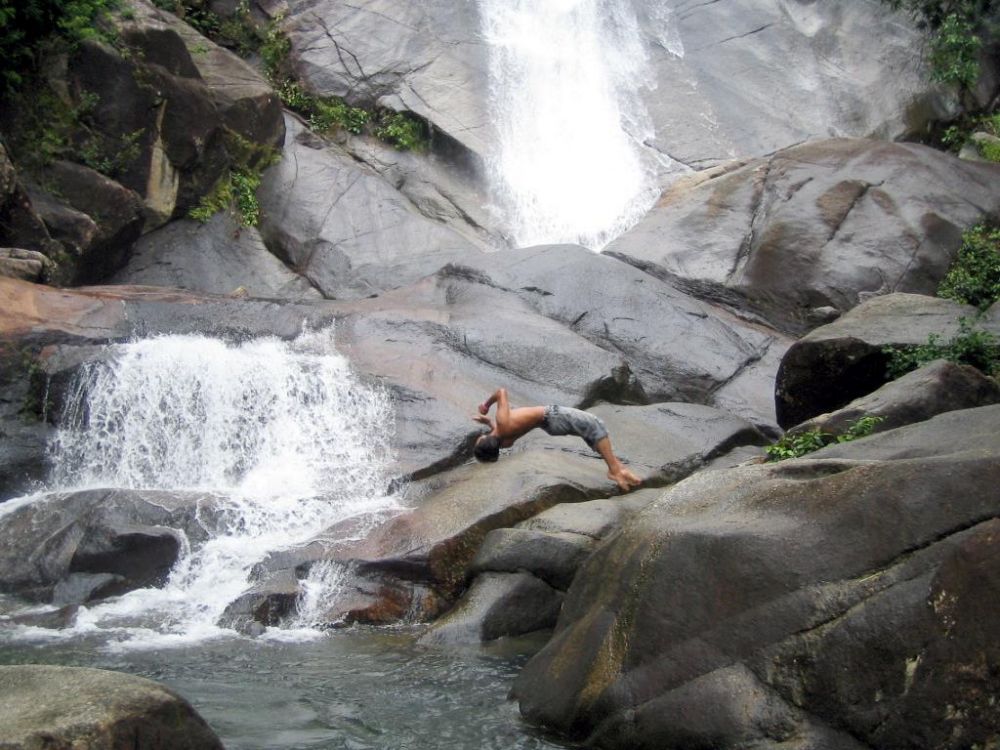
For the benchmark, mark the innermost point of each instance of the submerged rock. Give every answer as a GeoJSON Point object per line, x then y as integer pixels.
{"type": "Point", "coordinates": [71, 548]}
{"type": "Point", "coordinates": [843, 600]}
{"type": "Point", "coordinates": [63, 707]}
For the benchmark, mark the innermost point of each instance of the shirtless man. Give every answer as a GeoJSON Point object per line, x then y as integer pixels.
{"type": "Point", "coordinates": [556, 420]}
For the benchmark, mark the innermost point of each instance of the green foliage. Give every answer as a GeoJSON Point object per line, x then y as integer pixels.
{"type": "Point", "coordinates": [956, 135]}
{"type": "Point", "coordinates": [236, 191]}
{"type": "Point", "coordinates": [26, 24]}
{"type": "Point", "coordinates": [799, 444]}
{"type": "Point", "coordinates": [954, 53]}
{"type": "Point", "coordinates": [971, 346]}
{"type": "Point", "coordinates": [401, 130]}
{"type": "Point", "coordinates": [49, 128]}
{"type": "Point", "coordinates": [974, 278]}
{"type": "Point", "coordinates": [956, 28]}
{"type": "Point", "coordinates": [238, 32]}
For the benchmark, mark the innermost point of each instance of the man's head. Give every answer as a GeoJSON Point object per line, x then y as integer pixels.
{"type": "Point", "coordinates": [487, 448]}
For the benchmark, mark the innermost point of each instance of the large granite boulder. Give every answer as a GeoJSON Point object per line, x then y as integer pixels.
{"type": "Point", "coordinates": [218, 257]}
{"type": "Point", "coordinates": [834, 364]}
{"type": "Point", "coordinates": [64, 707]}
{"type": "Point", "coordinates": [817, 226]}
{"type": "Point", "coordinates": [345, 228]}
{"type": "Point", "coordinates": [842, 600]}
{"type": "Point", "coordinates": [679, 348]}
{"type": "Point", "coordinates": [70, 548]}
{"type": "Point", "coordinates": [930, 390]}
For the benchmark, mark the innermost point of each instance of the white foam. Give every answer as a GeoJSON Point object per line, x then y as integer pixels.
{"type": "Point", "coordinates": [565, 84]}
{"type": "Point", "coordinates": [288, 440]}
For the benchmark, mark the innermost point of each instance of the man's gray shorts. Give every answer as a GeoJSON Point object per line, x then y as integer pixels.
{"type": "Point", "coordinates": [565, 420]}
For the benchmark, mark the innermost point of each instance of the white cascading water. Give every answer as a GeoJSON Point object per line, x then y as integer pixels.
{"type": "Point", "coordinates": [565, 83]}
{"type": "Point", "coordinates": [282, 434]}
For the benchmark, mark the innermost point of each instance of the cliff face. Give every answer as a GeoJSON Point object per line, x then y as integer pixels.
{"type": "Point", "coordinates": [826, 602]}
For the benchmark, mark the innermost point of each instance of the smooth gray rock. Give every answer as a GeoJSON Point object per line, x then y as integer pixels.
{"type": "Point", "coordinates": [594, 518]}
{"type": "Point", "coordinates": [726, 598]}
{"type": "Point", "coordinates": [667, 441]}
{"type": "Point", "coordinates": [218, 257]}
{"type": "Point", "coordinates": [834, 364]}
{"type": "Point", "coordinates": [63, 707]}
{"type": "Point", "coordinates": [345, 228]}
{"type": "Point", "coordinates": [444, 344]}
{"type": "Point", "coordinates": [552, 557]}
{"type": "Point", "coordinates": [820, 225]}
{"type": "Point", "coordinates": [935, 388]}
{"type": "Point", "coordinates": [679, 348]}
{"type": "Point", "coordinates": [134, 536]}
{"type": "Point", "coordinates": [497, 605]}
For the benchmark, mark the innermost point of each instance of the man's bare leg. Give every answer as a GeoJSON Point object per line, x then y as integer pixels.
{"type": "Point", "coordinates": [617, 472]}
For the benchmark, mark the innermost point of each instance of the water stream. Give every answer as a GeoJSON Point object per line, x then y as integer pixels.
{"type": "Point", "coordinates": [566, 84]}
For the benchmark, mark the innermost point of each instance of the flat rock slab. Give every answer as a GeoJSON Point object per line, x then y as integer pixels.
{"type": "Point", "coordinates": [753, 605]}
{"type": "Point", "coordinates": [815, 228]}
{"type": "Point", "coordinates": [679, 348]}
{"type": "Point", "coordinates": [832, 365]}
{"type": "Point", "coordinates": [64, 707]}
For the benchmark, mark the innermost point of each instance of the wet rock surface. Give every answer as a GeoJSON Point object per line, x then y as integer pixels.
{"type": "Point", "coordinates": [54, 546]}
{"type": "Point", "coordinates": [66, 707]}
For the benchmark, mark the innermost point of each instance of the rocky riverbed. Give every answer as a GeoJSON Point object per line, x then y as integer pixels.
{"type": "Point", "coordinates": [844, 599]}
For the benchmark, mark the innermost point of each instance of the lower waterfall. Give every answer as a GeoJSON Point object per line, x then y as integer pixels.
{"type": "Point", "coordinates": [283, 436]}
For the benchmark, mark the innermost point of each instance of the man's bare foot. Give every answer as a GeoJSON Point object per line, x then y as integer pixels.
{"type": "Point", "coordinates": [625, 479]}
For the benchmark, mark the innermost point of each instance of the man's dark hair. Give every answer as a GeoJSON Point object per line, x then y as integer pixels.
{"type": "Point", "coordinates": [487, 449]}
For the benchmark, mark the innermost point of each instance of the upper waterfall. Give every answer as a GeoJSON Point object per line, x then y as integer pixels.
{"type": "Point", "coordinates": [569, 163]}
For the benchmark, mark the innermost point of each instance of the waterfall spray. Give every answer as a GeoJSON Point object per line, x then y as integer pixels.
{"type": "Point", "coordinates": [566, 75]}
{"type": "Point", "coordinates": [284, 436]}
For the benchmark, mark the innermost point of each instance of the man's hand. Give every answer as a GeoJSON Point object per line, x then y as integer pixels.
{"type": "Point", "coordinates": [483, 419]}
{"type": "Point", "coordinates": [484, 408]}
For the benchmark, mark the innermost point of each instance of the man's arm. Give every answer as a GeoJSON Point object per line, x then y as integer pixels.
{"type": "Point", "coordinates": [499, 398]}
{"type": "Point", "coordinates": [503, 410]}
